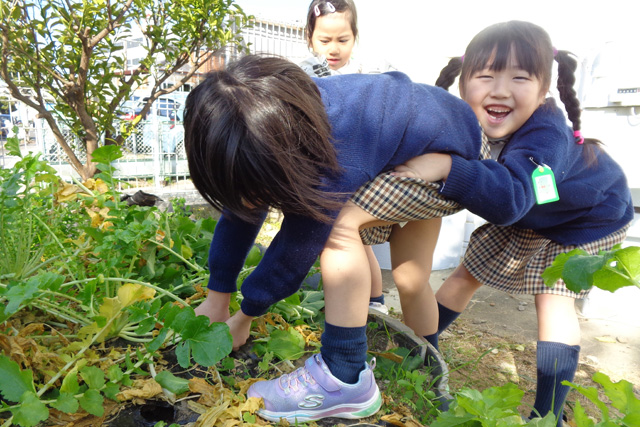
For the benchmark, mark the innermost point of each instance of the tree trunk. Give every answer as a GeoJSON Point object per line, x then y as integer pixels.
{"type": "Point", "coordinates": [85, 171]}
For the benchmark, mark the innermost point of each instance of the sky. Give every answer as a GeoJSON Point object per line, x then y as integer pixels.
{"type": "Point", "coordinates": [419, 36]}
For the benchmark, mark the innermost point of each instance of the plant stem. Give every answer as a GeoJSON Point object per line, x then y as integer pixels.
{"type": "Point", "coordinates": [193, 266]}
{"type": "Point", "coordinates": [82, 186]}
{"type": "Point", "coordinates": [62, 313]}
{"type": "Point", "coordinates": [44, 224]}
{"type": "Point", "coordinates": [75, 358]}
{"type": "Point", "coordinates": [164, 292]}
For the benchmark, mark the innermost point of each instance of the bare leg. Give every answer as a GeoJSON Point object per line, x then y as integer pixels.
{"type": "Point", "coordinates": [376, 274]}
{"type": "Point", "coordinates": [557, 319]}
{"type": "Point", "coordinates": [456, 292]}
{"type": "Point", "coordinates": [346, 275]}
{"type": "Point", "coordinates": [412, 248]}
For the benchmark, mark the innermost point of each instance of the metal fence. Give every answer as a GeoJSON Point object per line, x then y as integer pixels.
{"type": "Point", "coordinates": [154, 153]}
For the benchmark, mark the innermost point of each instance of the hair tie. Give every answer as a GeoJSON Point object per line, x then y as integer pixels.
{"type": "Point", "coordinates": [331, 8]}
{"type": "Point", "coordinates": [462, 58]}
{"type": "Point", "coordinates": [555, 52]}
{"type": "Point", "coordinates": [578, 136]}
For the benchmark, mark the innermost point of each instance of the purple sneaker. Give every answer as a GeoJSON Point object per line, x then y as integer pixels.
{"type": "Point", "coordinates": [311, 392]}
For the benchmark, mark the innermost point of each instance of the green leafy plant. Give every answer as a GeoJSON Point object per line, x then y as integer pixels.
{"type": "Point", "coordinates": [609, 270]}
{"type": "Point", "coordinates": [621, 397]}
{"type": "Point", "coordinates": [103, 271]}
{"type": "Point", "coordinates": [495, 406]}
{"type": "Point", "coordinates": [25, 209]}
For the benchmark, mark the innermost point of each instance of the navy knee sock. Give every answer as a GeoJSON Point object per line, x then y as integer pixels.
{"type": "Point", "coordinates": [379, 299]}
{"type": "Point", "coordinates": [344, 350]}
{"type": "Point", "coordinates": [557, 362]}
{"type": "Point", "coordinates": [433, 340]}
{"type": "Point", "coordinates": [446, 316]}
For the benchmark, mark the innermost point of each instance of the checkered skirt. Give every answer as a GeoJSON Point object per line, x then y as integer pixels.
{"type": "Point", "coordinates": [401, 199]}
{"type": "Point", "coordinates": [513, 259]}
{"type": "Point", "coordinates": [397, 200]}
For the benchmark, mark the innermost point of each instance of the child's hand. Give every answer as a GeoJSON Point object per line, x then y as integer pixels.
{"type": "Point", "coordinates": [240, 327]}
{"type": "Point", "coordinates": [429, 167]}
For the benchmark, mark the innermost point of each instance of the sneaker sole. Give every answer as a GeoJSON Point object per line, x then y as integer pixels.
{"type": "Point", "coordinates": [361, 410]}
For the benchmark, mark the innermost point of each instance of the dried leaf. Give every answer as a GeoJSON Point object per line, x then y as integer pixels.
{"type": "Point", "coordinates": [130, 293]}
{"type": "Point", "coordinates": [387, 355]}
{"type": "Point", "coordinates": [243, 386]}
{"type": "Point", "coordinates": [141, 389]}
{"type": "Point", "coordinates": [393, 419]}
{"type": "Point", "coordinates": [96, 219]}
{"type": "Point", "coordinates": [67, 193]}
{"type": "Point", "coordinates": [101, 186]}
{"type": "Point", "coordinates": [31, 328]}
{"type": "Point", "coordinates": [400, 420]}
{"type": "Point", "coordinates": [606, 339]}
{"type": "Point", "coordinates": [252, 405]}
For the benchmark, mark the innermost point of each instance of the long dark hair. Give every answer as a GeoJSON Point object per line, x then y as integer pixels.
{"type": "Point", "coordinates": [533, 52]}
{"type": "Point", "coordinates": [336, 6]}
{"type": "Point", "coordinates": [257, 136]}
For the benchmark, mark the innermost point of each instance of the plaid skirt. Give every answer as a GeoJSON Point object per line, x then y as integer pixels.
{"type": "Point", "coordinates": [399, 199]}
{"type": "Point", "coordinates": [513, 259]}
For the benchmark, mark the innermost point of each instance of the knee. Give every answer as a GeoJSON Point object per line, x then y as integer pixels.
{"type": "Point", "coordinates": [462, 280]}
{"type": "Point", "coordinates": [411, 284]}
{"type": "Point", "coordinates": [343, 236]}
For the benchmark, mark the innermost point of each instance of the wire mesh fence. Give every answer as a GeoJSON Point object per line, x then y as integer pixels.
{"type": "Point", "coordinates": [153, 153]}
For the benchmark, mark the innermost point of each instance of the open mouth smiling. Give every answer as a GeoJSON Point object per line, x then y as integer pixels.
{"type": "Point", "coordinates": [498, 113]}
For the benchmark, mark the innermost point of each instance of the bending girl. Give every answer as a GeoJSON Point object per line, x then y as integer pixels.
{"type": "Point", "coordinates": [262, 134]}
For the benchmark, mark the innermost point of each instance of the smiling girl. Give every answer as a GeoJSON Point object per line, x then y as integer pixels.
{"type": "Point", "coordinates": [546, 190]}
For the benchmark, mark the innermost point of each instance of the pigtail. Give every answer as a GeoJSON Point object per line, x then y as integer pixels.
{"type": "Point", "coordinates": [567, 66]}
{"type": "Point", "coordinates": [449, 73]}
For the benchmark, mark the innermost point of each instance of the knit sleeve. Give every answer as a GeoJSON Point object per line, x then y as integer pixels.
{"type": "Point", "coordinates": [285, 264]}
{"type": "Point", "coordinates": [502, 191]}
{"type": "Point", "coordinates": [232, 240]}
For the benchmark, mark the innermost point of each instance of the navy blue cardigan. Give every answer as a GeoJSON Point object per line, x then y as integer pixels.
{"type": "Point", "coordinates": [594, 199]}
{"type": "Point", "coordinates": [378, 122]}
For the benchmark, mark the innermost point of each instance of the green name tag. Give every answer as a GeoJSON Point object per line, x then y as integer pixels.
{"type": "Point", "coordinates": [544, 185]}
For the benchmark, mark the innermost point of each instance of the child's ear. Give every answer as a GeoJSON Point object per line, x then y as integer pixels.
{"type": "Point", "coordinates": [543, 96]}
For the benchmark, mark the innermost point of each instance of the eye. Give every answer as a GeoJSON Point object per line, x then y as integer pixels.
{"type": "Point", "coordinates": [522, 78]}
{"type": "Point", "coordinates": [482, 76]}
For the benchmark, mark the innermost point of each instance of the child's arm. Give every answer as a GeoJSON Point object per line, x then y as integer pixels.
{"type": "Point", "coordinates": [428, 167]}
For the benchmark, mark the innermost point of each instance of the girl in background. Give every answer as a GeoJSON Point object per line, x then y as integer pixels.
{"type": "Point", "coordinates": [331, 32]}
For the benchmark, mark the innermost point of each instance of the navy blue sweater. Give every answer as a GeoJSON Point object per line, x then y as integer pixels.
{"type": "Point", "coordinates": [594, 199]}
{"type": "Point", "coordinates": [378, 122]}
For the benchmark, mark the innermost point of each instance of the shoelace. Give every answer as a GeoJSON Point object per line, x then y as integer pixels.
{"type": "Point", "coordinates": [299, 377]}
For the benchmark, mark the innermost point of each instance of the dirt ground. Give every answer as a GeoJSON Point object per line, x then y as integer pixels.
{"type": "Point", "coordinates": [494, 342]}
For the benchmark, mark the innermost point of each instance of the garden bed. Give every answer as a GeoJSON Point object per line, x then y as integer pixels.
{"type": "Point", "coordinates": [389, 340]}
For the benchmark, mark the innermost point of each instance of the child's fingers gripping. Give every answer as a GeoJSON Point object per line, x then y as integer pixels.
{"type": "Point", "coordinates": [405, 171]}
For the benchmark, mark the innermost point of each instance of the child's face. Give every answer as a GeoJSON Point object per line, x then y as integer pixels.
{"type": "Point", "coordinates": [333, 38]}
{"type": "Point", "coordinates": [503, 100]}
